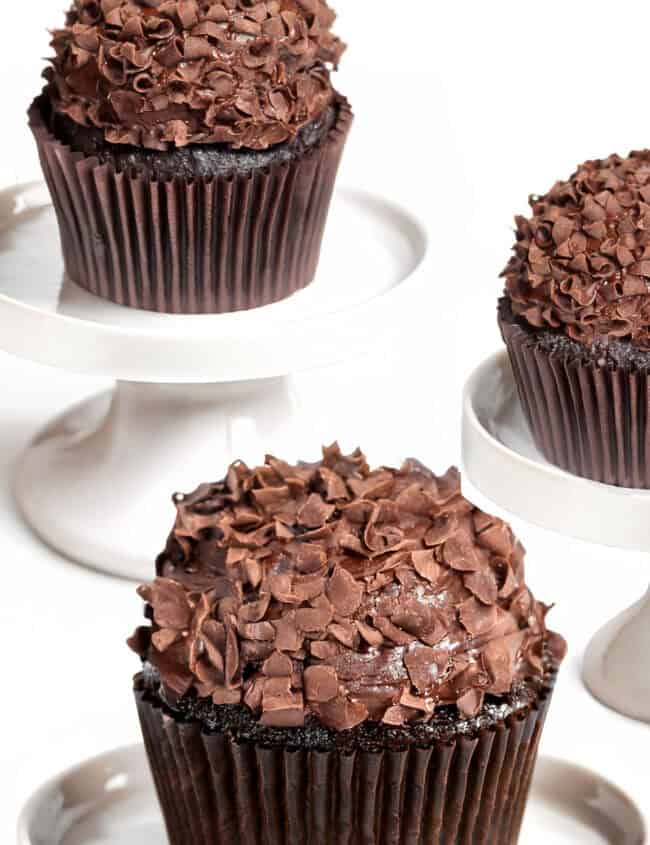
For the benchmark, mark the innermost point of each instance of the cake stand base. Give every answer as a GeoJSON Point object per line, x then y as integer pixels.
{"type": "Point", "coordinates": [95, 484]}
{"type": "Point", "coordinates": [502, 462]}
{"type": "Point", "coordinates": [612, 670]}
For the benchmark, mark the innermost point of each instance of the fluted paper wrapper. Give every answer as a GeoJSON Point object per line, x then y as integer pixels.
{"type": "Point", "coordinates": [470, 791]}
{"type": "Point", "coordinates": [591, 421]}
{"type": "Point", "coordinates": [191, 246]}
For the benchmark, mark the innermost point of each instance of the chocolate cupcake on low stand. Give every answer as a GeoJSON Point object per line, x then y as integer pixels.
{"type": "Point", "coordinates": [576, 320]}
{"type": "Point", "coordinates": [336, 655]}
{"type": "Point", "coordinates": [191, 148]}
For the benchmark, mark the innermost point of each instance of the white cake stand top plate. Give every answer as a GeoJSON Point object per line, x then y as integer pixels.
{"type": "Point", "coordinates": [502, 462]}
{"type": "Point", "coordinates": [110, 800]}
{"type": "Point", "coordinates": [371, 266]}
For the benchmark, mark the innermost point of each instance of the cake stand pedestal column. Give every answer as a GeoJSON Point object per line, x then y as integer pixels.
{"type": "Point", "coordinates": [616, 667]}
{"type": "Point", "coordinates": [502, 462]}
{"type": "Point", "coordinates": [96, 482]}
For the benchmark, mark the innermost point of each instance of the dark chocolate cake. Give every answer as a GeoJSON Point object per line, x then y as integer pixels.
{"type": "Point", "coordinates": [576, 320]}
{"type": "Point", "coordinates": [191, 148]}
{"type": "Point", "coordinates": [327, 612]}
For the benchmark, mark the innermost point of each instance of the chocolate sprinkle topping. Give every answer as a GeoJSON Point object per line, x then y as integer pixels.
{"type": "Point", "coordinates": [158, 73]}
{"type": "Point", "coordinates": [337, 592]}
{"type": "Point", "coordinates": [581, 264]}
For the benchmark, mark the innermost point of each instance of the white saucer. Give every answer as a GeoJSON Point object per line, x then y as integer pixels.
{"type": "Point", "coordinates": [503, 463]}
{"type": "Point", "coordinates": [111, 801]}
{"type": "Point", "coordinates": [365, 286]}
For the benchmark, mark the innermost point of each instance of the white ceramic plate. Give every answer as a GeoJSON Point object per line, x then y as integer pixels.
{"type": "Point", "coordinates": [369, 269]}
{"type": "Point", "coordinates": [111, 801]}
{"type": "Point", "coordinates": [502, 462]}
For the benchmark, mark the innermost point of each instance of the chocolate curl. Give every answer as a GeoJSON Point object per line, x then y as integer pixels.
{"type": "Point", "coordinates": [191, 246]}
{"type": "Point", "coordinates": [588, 420]}
{"type": "Point", "coordinates": [471, 789]}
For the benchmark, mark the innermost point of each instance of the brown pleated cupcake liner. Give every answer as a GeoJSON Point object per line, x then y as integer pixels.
{"type": "Point", "coordinates": [191, 246]}
{"type": "Point", "coordinates": [469, 791]}
{"type": "Point", "coordinates": [587, 419]}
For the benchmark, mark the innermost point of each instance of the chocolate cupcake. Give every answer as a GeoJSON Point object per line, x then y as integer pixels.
{"type": "Point", "coordinates": [576, 320]}
{"type": "Point", "coordinates": [191, 148]}
{"type": "Point", "coordinates": [339, 655]}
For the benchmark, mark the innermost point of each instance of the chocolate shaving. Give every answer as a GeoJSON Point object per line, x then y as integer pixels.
{"type": "Point", "coordinates": [470, 703]}
{"type": "Point", "coordinates": [321, 683]}
{"type": "Point", "coordinates": [315, 512]}
{"type": "Point", "coordinates": [171, 604]}
{"type": "Point", "coordinates": [484, 585]}
{"type": "Point", "coordinates": [477, 618]}
{"type": "Point", "coordinates": [426, 566]}
{"type": "Point", "coordinates": [344, 592]}
{"type": "Point", "coordinates": [426, 667]}
{"type": "Point", "coordinates": [460, 553]}
{"type": "Point", "coordinates": [369, 634]}
{"type": "Point", "coordinates": [342, 714]}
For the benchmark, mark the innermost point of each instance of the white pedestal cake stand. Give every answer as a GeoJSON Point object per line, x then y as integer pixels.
{"type": "Point", "coordinates": [502, 462]}
{"type": "Point", "coordinates": [193, 393]}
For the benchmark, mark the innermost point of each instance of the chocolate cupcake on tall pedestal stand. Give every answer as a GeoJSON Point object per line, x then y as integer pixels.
{"type": "Point", "coordinates": [556, 428]}
{"type": "Point", "coordinates": [575, 318]}
{"type": "Point", "coordinates": [191, 148]}
{"type": "Point", "coordinates": [342, 655]}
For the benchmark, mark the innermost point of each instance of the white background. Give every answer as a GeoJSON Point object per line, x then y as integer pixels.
{"type": "Point", "coordinates": [463, 109]}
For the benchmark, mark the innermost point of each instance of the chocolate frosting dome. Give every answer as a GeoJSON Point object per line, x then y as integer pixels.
{"type": "Point", "coordinates": [151, 73]}
{"type": "Point", "coordinates": [335, 591]}
{"type": "Point", "coordinates": [581, 263]}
